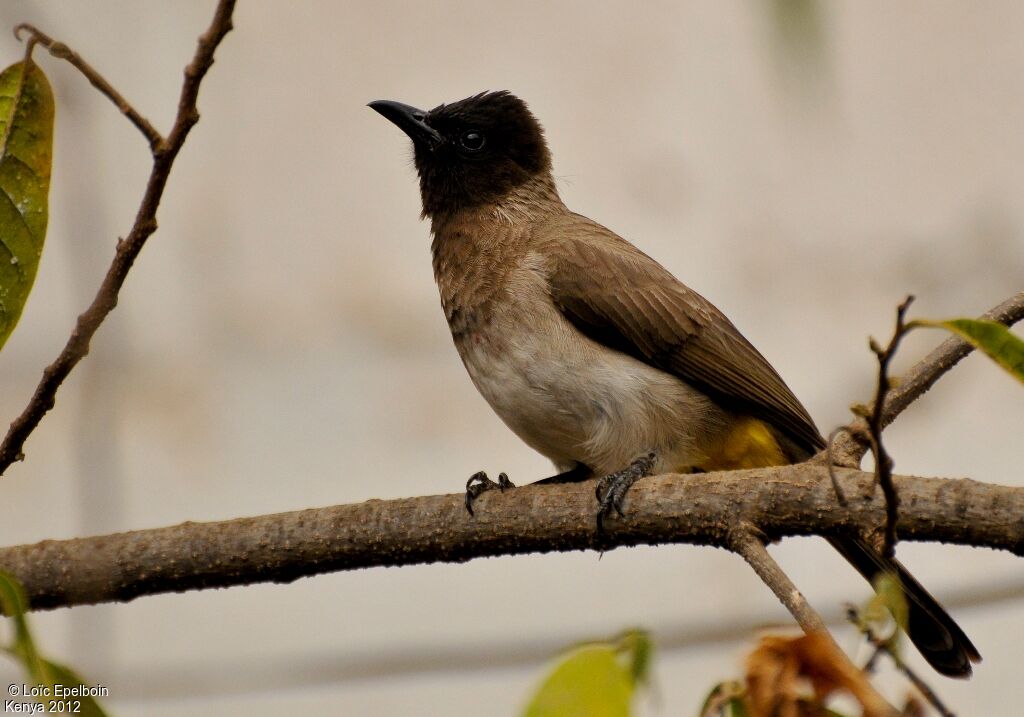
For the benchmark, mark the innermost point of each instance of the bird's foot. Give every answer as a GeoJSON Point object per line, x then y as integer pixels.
{"type": "Point", "coordinates": [611, 490]}
{"type": "Point", "coordinates": [479, 483]}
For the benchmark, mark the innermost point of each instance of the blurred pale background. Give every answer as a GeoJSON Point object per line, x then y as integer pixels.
{"type": "Point", "coordinates": [279, 344]}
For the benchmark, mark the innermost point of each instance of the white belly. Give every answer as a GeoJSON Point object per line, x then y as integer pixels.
{"type": "Point", "coordinates": [576, 401]}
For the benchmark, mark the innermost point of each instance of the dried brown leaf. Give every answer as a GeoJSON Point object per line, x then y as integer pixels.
{"type": "Point", "coordinates": [782, 670]}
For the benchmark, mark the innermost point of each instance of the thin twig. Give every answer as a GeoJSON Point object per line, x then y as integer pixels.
{"type": "Point", "coordinates": [63, 52]}
{"type": "Point", "coordinates": [925, 373]}
{"type": "Point", "coordinates": [749, 545]}
{"type": "Point", "coordinates": [746, 541]}
{"type": "Point", "coordinates": [883, 461]}
{"type": "Point", "coordinates": [872, 662]}
{"type": "Point", "coordinates": [164, 154]}
{"type": "Point", "coordinates": [851, 447]}
{"type": "Point", "coordinates": [886, 646]}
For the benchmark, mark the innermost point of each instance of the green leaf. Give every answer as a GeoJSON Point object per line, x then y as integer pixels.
{"type": "Point", "coordinates": [40, 670]}
{"type": "Point", "coordinates": [991, 337]}
{"type": "Point", "coordinates": [890, 596]}
{"type": "Point", "coordinates": [737, 707]}
{"type": "Point", "coordinates": [639, 650]}
{"type": "Point", "coordinates": [26, 147]}
{"type": "Point", "coordinates": [725, 700]}
{"type": "Point", "coordinates": [589, 682]}
{"type": "Point", "coordinates": [12, 599]}
{"type": "Point", "coordinates": [64, 675]}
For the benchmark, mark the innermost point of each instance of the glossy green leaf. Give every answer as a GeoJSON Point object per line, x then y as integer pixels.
{"type": "Point", "coordinates": [590, 682]}
{"type": "Point", "coordinates": [26, 146]}
{"type": "Point", "coordinates": [994, 339]}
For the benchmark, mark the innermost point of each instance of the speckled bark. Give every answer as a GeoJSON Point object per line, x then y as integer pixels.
{"type": "Point", "coordinates": [701, 509]}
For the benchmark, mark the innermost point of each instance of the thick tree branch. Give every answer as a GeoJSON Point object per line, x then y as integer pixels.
{"type": "Point", "coordinates": [702, 509]}
{"type": "Point", "coordinates": [850, 445]}
{"type": "Point", "coordinates": [164, 153]}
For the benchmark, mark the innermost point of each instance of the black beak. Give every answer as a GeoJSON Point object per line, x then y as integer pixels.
{"type": "Point", "coordinates": [410, 120]}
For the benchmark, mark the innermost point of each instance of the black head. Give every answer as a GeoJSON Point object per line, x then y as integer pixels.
{"type": "Point", "coordinates": [472, 151]}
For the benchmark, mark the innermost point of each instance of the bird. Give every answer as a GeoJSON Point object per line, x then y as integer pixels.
{"type": "Point", "coordinates": [592, 352]}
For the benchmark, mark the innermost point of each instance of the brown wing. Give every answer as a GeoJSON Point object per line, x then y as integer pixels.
{"type": "Point", "coordinates": [620, 297]}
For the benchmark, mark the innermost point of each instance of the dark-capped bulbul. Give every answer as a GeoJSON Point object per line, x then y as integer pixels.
{"type": "Point", "coordinates": [591, 351]}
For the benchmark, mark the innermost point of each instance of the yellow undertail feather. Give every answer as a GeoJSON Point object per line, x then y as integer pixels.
{"type": "Point", "coordinates": [748, 444]}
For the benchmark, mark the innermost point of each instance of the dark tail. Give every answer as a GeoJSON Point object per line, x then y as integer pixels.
{"type": "Point", "coordinates": [940, 640]}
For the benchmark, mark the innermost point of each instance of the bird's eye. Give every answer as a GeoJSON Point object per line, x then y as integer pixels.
{"type": "Point", "coordinates": [472, 140]}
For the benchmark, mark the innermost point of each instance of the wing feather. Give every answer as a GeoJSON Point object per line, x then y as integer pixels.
{"type": "Point", "coordinates": [620, 297]}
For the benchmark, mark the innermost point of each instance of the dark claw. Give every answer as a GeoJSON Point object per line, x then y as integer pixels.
{"type": "Point", "coordinates": [504, 482]}
{"type": "Point", "coordinates": [479, 483]}
{"type": "Point", "coordinates": [611, 490]}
